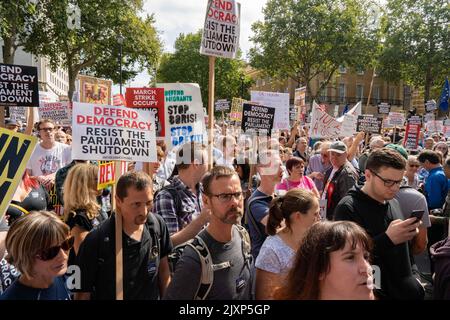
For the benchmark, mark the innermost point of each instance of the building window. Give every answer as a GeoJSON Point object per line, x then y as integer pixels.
{"type": "Point", "coordinates": [360, 71]}
{"type": "Point", "coordinates": [359, 92]}
{"type": "Point", "coordinates": [342, 69]}
{"type": "Point", "coordinates": [323, 93]}
{"type": "Point", "coordinates": [392, 94]}
{"type": "Point", "coordinates": [263, 82]}
{"type": "Point", "coordinates": [342, 93]}
{"type": "Point", "coordinates": [376, 95]}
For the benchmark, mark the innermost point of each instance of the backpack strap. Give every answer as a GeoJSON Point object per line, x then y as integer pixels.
{"type": "Point", "coordinates": [207, 274]}
{"type": "Point", "coordinates": [155, 235]}
{"type": "Point", "coordinates": [250, 218]}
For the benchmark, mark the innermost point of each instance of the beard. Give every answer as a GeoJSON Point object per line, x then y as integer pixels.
{"type": "Point", "coordinates": [232, 216]}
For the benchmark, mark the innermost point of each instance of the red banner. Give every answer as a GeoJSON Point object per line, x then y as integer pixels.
{"type": "Point", "coordinates": [151, 99]}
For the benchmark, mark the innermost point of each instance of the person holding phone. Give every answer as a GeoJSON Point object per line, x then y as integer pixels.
{"type": "Point", "coordinates": [374, 208]}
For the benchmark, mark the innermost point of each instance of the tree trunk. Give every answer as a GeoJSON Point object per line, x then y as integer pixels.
{"type": "Point", "coordinates": [72, 78]}
{"type": "Point", "coordinates": [9, 49]}
{"type": "Point", "coordinates": [428, 80]}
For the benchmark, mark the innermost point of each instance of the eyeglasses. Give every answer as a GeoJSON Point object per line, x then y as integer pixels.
{"type": "Point", "coordinates": [51, 253]}
{"type": "Point", "coordinates": [47, 129]}
{"type": "Point", "coordinates": [226, 197]}
{"type": "Point", "coordinates": [387, 182]}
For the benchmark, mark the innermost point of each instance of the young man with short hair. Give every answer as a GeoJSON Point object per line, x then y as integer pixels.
{"type": "Point", "coordinates": [374, 209]}
{"type": "Point", "coordinates": [145, 245]}
{"type": "Point", "coordinates": [49, 155]}
{"type": "Point", "coordinates": [230, 261]}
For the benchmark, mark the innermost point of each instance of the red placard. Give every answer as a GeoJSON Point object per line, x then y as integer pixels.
{"type": "Point", "coordinates": [148, 98]}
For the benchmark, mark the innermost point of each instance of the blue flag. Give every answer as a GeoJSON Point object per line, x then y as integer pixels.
{"type": "Point", "coordinates": [345, 109]}
{"type": "Point", "coordinates": [443, 104]}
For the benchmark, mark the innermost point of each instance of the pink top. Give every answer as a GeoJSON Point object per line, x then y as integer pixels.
{"type": "Point", "coordinates": [304, 183]}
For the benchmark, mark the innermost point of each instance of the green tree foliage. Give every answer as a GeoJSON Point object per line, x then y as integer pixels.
{"type": "Point", "coordinates": [14, 17]}
{"type": "Point", "coordinates": [186, 64]}
{"type": "Point", "coordinates": [416, 47]}
{"type": "Point", "coordinates": [303, 39]}
{"type": "Point", "coordinates": [93, 46]}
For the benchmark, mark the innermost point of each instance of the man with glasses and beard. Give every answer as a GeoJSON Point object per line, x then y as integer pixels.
{"type": "Point", "coordinates": [145, 244]}
{"type": "Point", "coordinates": [225, 240]}
{"type": "Point", "coordinates": [373, 208]}
{"type": "Point", "coordinates": [49, 155]}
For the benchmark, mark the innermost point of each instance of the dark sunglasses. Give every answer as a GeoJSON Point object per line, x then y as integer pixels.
{"type": "Point", "coordinates": [51, 253]}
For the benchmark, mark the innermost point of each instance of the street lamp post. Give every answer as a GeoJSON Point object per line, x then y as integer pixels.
{"type": "Point", "coordinates": [120, 39]}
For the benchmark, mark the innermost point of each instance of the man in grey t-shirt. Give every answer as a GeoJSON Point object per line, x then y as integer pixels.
{"type": "Point", "coordinates": [232, 278]}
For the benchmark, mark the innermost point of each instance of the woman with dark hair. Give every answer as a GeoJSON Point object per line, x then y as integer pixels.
{"type": "Point", "coordinates": [298, 210]}
{"type": "Point", "coordinates": [30, 195]}
{"type": "Point", "coordinates": [332, 263]}
{"type": "Point", "coordinates": [297, 179]}
{"type": "Point", "coordinates": [38, 245]}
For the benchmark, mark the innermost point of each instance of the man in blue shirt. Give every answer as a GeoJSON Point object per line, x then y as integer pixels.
{"type": "Point", "coordinates": [436, 189]}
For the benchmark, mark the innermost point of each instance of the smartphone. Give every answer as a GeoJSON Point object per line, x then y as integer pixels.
{"type": "Point", "coordinates": [418, 214]}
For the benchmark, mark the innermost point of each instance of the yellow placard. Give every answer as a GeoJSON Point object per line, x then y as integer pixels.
{"type": "Point", "coordinates": [15, 151]}
{"type": "Point", "coordinates": [106, 174]}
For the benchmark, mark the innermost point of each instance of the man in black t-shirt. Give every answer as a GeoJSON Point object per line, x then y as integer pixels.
{"type": "Point", "coordinates": [145, 241]}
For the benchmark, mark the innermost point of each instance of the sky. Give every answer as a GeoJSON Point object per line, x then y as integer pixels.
{"type": "Point", "coordinates": [187, 16]}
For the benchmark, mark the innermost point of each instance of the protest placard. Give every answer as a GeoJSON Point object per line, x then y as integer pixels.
{"type": "Point", "coordinates": [434, 126]}
{"type": "Point", "coordinates": [18, 113]}
{"type": "Point", "coordinates": [112, 133]}
{"type": "Point", "coordinates": [149, 99]}
{"type": "Point", "coordinates": [107, 172]}
{"type": "Point", "coordinates": [415, 120]}
{"type": "Point", "coordinates": [18, 86]}
{"type": "Point", "coordinates": [369, 123]}
{"type": "Point", "coordinates": [384, 108]}
{"type": "Point", "coordinates": [300, 103]}
{"type": "Point", "coordinates": [236, 109]}
{"type": "Point", "coordinates": [277, 100]}
{"type": "Point", "coordinates": [184, 115]}
{"type": "Point", "coordinates": [396, 119]}
{"type": "Point", "coordinates": [428, 117]}
{"type": "Point", "coordinates": [60, 112]}
{"type": "Point", "coordinates": [411, 140]}
{"type": "Point", "coordinates": [222, 105]}
{"type": "Point", "coordinates": [55, 202]}
{"type": "Point", "coordinates": [348, 128]}
{"type": "Point", "coordinates": [220, 36]}
{"type": "Point", "coordinates": [430, 106]}
{"type": "Point", "coordinates": [257, 118]}
{"type": "Point", "coordinates": [322, 124]}
{"type": "Point", "coordinates": [15, 151]}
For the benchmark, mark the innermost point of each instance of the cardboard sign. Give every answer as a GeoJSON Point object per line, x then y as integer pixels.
{"type": "Point", "coordinates": [430, 105]}
{"type": "Point", "coordinates": [149, 99]}
{"type": "Point", "coordinates": [60, 112]}
{"type": "Point", "coordinates": [112, 133]}
{"type": "Point", "coordinates": [415, 120]}
{"type": "Point", "coordinates": [349, 124]}
{"type": "Point", "coordinates": [384, 108]}
{"type": "Point", "coordinates": [435, 126]}
{"type": "Point", "coordinates": [18, 113]}
{"type": "Point", "coordinates": [396, 119]}
{"type": "Point", "coordinates": [411, 140]}
{"type": "Point", "coordinates": [94, 90]}
{"type": "Point", "coordinates": [257, 118]}
{"type": "Point", "coordinates": [277, 100]}
{"type": "Point", "coordinates": [222, 105]}
{"type": "Point", "coordinates": [15, 151]}
{"type": "Point", "coordinates": [18, 86]}
{"type": "Point", "coordinates": [368, 123]}
{"type": "Point", "coordinates": [184, 115]}
{"type": "Point", "coordinates": [220, 36]}
{"type": "Point", "coordinates": [236, 109]}
{"type": "Point", "coordinates": [322, 124]}
{"type": "Point", "coordinates": [58, 208]}
{"type": "Point", "coordinates": [300, 103]}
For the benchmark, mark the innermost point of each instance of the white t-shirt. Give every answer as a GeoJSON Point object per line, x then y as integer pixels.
{"type": "Point", "coordinates": [47, 161]}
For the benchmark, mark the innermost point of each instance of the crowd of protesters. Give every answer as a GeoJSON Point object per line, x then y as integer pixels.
{"type": "Point", "coordinates": [284, 217]}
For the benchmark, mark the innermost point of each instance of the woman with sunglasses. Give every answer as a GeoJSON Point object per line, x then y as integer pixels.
{"type": "Point", "coordinates": [38, 245]}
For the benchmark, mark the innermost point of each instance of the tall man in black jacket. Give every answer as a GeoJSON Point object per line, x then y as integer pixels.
{"type": "Point", "coordinates": [374, 209]}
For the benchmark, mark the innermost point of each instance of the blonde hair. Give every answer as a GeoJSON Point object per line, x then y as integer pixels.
{"type": "Point", "coordinates": [31, 234]}
{"type": "Point", "coordinates": [80, 190]}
